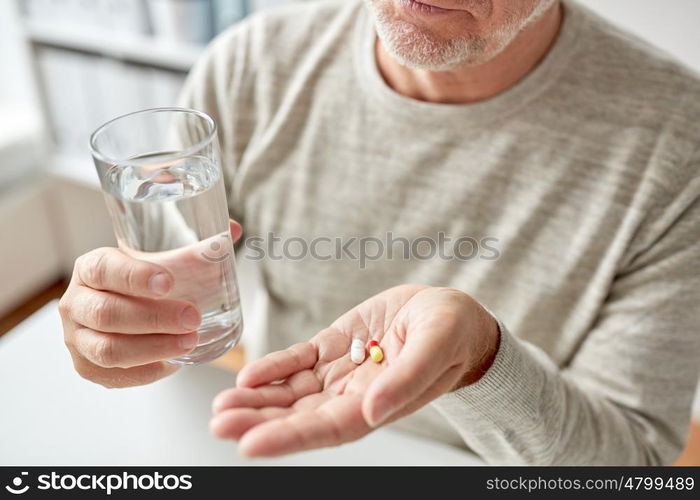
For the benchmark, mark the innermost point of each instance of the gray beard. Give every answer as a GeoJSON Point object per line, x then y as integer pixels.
{"type": "Point", "coordinates": [419, 49]}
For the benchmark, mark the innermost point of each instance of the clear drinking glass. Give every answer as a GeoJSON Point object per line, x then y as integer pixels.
{"type": "Point", "coordinates": [160, 171]}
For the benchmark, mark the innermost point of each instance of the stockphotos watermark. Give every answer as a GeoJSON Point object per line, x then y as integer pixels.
{"type": "Point", "coordinates": [104, 483]}
{"type": "Point", "coordinates": [363, 249]}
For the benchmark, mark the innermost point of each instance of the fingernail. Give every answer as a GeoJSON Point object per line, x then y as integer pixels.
{"type": "Point", "coordinates": [188, 341]}
{"type": "Point", "coordinates": [190, 319]}
{"type": "Point", "coordinates": [381, 414]}
{"type": "Point", "coordinates": [159, 283]}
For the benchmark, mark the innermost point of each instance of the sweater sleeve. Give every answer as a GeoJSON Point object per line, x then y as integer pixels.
{"type": "Point", "coordinates": [625, 396]}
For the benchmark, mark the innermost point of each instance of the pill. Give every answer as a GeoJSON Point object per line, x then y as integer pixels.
{"type": "Point", "coordinates": [375, 352]}
{"type": "Point", "coordinates": [357, 351]}
{"type": "Point", "coordinates": [373, 343]}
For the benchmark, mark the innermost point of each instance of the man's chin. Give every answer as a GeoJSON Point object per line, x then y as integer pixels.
{"type": "Point", "coordinates": [417, 48]}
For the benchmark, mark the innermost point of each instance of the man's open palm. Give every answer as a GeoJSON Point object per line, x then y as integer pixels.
{"type": "Point", "coordinates": [312, 395]}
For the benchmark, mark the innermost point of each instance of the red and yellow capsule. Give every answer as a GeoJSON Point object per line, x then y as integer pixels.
{"type": "Point", "coordinates": [375, 352]}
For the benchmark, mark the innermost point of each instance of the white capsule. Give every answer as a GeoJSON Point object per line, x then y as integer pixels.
{"type": "Point", "coordinates": [357, 351]}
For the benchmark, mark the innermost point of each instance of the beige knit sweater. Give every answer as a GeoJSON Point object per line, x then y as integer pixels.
{"type": "Point", "coordinates": [586, 175]}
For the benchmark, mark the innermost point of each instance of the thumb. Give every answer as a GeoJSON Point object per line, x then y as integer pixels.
{"type": "Point", "coordinates": [236, 230]}
{"type": "Point", "coordinates": [420, 364]}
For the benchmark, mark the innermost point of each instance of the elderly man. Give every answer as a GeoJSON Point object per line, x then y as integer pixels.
{"type": "Point", "coordinates": [570, 144]}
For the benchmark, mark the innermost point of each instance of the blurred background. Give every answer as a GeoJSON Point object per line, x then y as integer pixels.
{"type": "Point", "coordinates": [68, 66]}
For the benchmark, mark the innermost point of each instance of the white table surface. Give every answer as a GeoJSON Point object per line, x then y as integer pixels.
{"type": "Point", "coordinates": [51, 416]}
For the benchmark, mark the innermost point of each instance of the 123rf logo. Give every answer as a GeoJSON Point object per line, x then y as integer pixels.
{"type": "Point", "coordinates": [106, 483]}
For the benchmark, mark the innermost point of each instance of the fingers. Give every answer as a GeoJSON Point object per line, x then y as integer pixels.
{"type": "Point", "coordinates": [109, 312]}
{"type": "Point", "coordinates": [278, 365]}
{"type": "Point", "coordinates": [324, 421]}
{"type": "Point", "coordinates": [236, 230]}
{"type": "Point", "coordinates": [337, 421]}
{"type": "Point", "coordinates": [295, 387]}
{"type": "Point", "coordinates": [420, 363]}
{"type": "Point", "coordinates": [237, 410]}
{"type": "Point", "coordinates": [113, 378]}
{"type": "Point", "coordinates": [233, 423]}
{"type": "Point", "coordinates": [115, 350]}
{"type": "Point", "coordinates": [110, 269]}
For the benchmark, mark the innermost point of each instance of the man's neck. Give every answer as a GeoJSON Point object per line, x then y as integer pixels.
{"type": "Point", "coordinates": [471, 84]}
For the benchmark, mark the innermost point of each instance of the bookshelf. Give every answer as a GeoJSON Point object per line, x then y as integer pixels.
{"type": "Point", "coordinates": [145, 70]}
{"type": "Point", "coordinates": [93, 61]}
{"type": "Point", "coordinates": [131, 47]}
